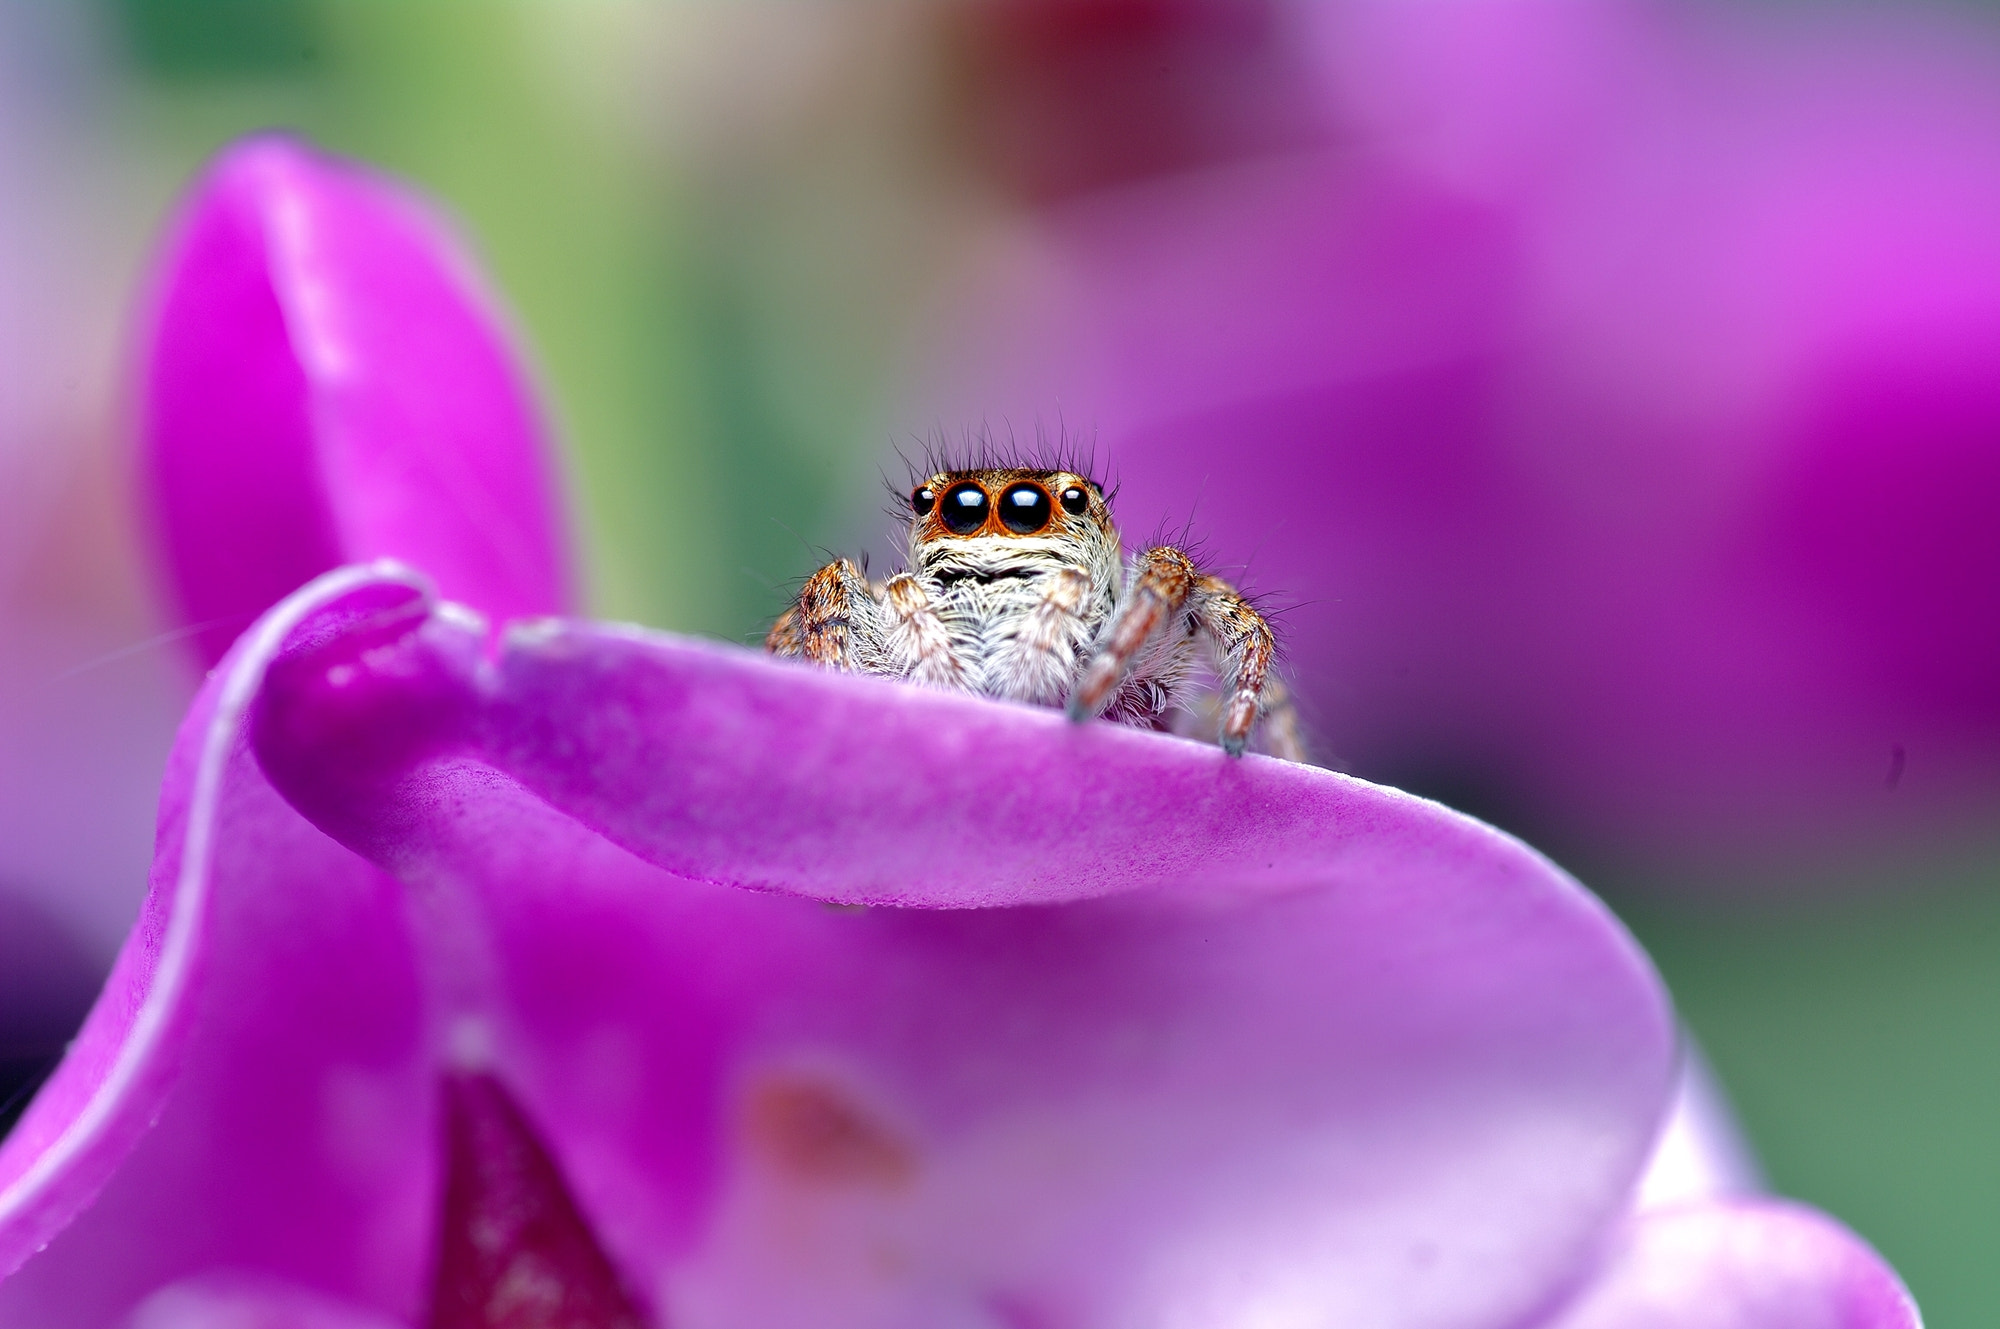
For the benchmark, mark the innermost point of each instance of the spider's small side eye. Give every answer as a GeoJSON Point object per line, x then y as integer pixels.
{"type": "Point", "coordinates": [1075, 502]}
{"type": "Point", "coordinates": [922, 499]}
{"type": "Point", "coordinates": [964, 509]}
{"type": "Point", "coordinates": [1024, 509]}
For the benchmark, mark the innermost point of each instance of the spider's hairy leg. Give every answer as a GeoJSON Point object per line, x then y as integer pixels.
{"type": "Point", "coordinates": [915, 642]}
{"type": "Point", "coordinates": [821, 624]}
{"type": "Point", "coordinates": [1162, 580]}
{"type": "Point", "coordinates": [1244, 649]}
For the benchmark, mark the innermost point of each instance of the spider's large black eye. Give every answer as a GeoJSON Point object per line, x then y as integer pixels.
{"type": "Point", "coordinates": [1075, 502]}
{"type": "Point", "coordinates": [1024, 509]}
{"type": "Point", "coordinates": [922, 499]}
{"type": "Point", "coordinates": [964, 509]}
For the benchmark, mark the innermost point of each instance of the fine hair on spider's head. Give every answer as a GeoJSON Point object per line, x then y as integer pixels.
{"type": "Point", "coordinates": [982, 449]}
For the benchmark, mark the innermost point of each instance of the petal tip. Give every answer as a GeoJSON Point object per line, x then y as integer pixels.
{"type": "Point", "coordinates": [326, 377]}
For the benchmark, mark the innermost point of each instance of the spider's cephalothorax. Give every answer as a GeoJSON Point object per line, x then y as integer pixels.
{"type": "Point", "coordinates": [1018, 589]}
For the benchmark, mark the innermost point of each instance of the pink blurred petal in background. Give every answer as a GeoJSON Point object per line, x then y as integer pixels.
{"type": "Point", "coordinates": [88, 699]}
{"type": "Point", "coordinates": [1607, 388]}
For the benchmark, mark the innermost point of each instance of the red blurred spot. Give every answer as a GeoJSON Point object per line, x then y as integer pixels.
{"type": "Point", "coordinates": [1062, 96]}
{"type": "Point", "coordinates": [817, 1134]}
{"type": "Point", "coordinates": [514, 1252]}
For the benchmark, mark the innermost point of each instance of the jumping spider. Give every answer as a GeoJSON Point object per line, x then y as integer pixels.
{"type": "Point", "coordinates": [1018, 589]}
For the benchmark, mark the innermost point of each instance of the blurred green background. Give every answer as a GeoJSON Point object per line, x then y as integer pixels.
{"type": "Point", "coordinates": [719, 225]}
{"type": "Point", "coordinates": [708, 291]}
{"type": "Point", "coordinates": [1852, 1022]}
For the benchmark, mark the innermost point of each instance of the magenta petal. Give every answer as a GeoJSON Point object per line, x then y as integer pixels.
{"type": "Point", "coordinates": [251, 1090]}
{"type": "Point", "coordinates": [1741, 1265]}
{"type": "Point", "coordinates": [327, 382]}
{"type": "Point", "coordinates": [1190, 1040]}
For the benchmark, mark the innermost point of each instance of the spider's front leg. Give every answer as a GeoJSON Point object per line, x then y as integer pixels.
{"type": "Point", "coordinates": [1168, 589]}
{"type": "Point", "coordinates": [1244, 652]}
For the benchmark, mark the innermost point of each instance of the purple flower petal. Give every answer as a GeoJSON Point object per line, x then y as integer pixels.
{"type": "Point", "coordinates": [326, 382]}
{"type": "Point", "coordinates": [1741, 1265]}
{"type": "Point", "coordinates": [1199, 1053]}
{"type": "Point", "coordinates": [1200, 1040]}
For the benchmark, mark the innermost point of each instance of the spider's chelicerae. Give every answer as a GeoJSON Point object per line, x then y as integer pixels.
{"type": "Point", "coordinates": [1017, 588]}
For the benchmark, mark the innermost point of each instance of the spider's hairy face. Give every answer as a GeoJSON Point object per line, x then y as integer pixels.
{"type": "Point", "coordinates": [997, 523]}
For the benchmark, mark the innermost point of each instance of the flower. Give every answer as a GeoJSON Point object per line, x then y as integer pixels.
{"type": "Point", "coordinates": [1606, 385]}
{"type": "Point", "coordinates": [323, 354]}
{"type": "Point", "coordinates": [324, 366]}
{"type": "Point", "coordinates": [1125, 1034]}
{"type": "Point", "coordinates": [500, 974]}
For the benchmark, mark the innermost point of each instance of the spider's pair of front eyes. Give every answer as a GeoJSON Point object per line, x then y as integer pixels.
{"type": "Point", "coordinates": [1024, 508]}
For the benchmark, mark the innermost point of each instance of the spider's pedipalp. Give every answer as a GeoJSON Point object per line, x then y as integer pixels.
{"type": "Point", "coordinates": [1037, 657]}
{"type": "Point", "coordinates": [820, 625]}
{"type": "Point", "coordinates": [915, 643]}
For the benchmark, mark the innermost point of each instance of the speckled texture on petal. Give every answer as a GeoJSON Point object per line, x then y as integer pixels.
{"type": "Point", "coordinates": [326, 381]}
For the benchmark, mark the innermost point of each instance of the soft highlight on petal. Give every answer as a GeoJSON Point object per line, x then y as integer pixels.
{"type": "Point", "coordinates": [238, 1301]}
{"type": "Point", "coordinates": [326, 381]}
{"type": "Point", "coordinates": [1741, 1265]}
{"type": "Point", "coordinates": [1701, 1153]}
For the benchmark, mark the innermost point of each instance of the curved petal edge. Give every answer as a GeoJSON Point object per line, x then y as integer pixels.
{"type": "Point", "coordinates": [325, 380]}
{"type": "Point", "coordinates": [121, 1067]}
